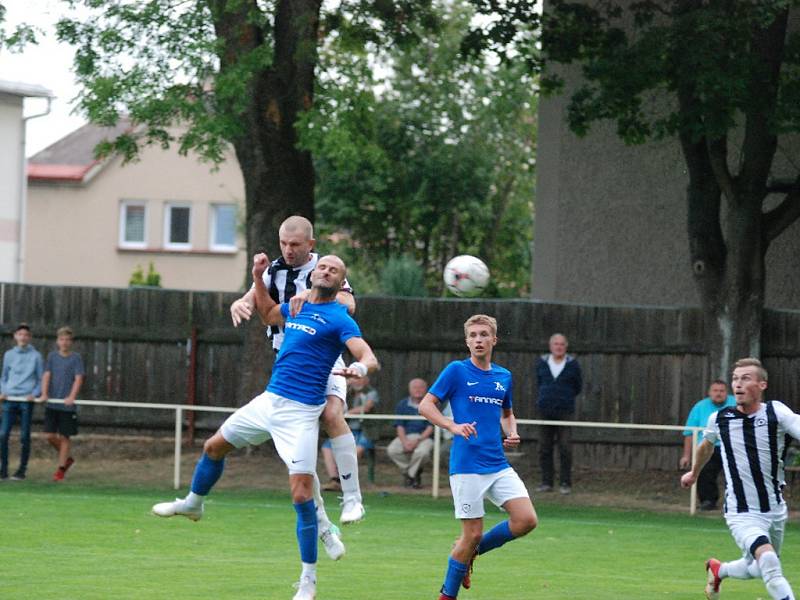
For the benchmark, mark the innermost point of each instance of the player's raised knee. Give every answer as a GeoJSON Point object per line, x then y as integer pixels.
{"type": "Point", "coordinates": [523, 524]}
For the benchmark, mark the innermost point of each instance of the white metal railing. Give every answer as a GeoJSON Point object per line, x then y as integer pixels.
{"type": "Point", "coordinates": [437, 436]}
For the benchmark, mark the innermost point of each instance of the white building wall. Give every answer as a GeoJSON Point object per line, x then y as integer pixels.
{"type": "Point", "coordinates": [11, 157]}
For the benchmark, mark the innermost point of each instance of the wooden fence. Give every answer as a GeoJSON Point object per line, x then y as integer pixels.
{"type": "Point", "coordinates": [640, 364]}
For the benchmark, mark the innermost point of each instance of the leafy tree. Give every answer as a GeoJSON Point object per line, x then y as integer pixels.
{"type": "Point", "coordinates": [236, 72]}
{"type": "Point", "coordinates": [421, 153]}
{"type": "Point", "coordinates": [722, 78]}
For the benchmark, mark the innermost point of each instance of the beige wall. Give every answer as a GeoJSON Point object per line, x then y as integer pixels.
{"type": "Point", "coordinates": [73, 230]}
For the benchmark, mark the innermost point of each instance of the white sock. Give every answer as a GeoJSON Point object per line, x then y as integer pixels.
{"type": "Point", "coordinates": [344, 453]}
{"type": "Point", "coordinates": [323, 522]}
{"type": "Point", "coordinates": [738, 569]}
{"type": "Point", "coordinates": [309, 570]}
{"type": "Point", "coordinates": [193, 500]}
{"type": "Point", "coordinates": [772, 574]}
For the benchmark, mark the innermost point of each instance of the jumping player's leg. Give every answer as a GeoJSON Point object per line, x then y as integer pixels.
{"type": "Point", "coordinates": [771, 571]}
{"type": "Point", "coordinates": [301, 485]}
{"type": "Point", "coordinates": [343, 446]}
{"type": "Point", "coordinates": [248, 425]}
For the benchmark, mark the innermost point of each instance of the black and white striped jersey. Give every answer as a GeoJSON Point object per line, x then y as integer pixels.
{"type": "Point", "coordinates": [284, 281]}
{"type": "Point", "coordinates": [752, 454]}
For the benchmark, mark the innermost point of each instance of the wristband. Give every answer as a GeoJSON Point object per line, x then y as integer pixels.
{"type": "Point", "coordinates": [359, 368]}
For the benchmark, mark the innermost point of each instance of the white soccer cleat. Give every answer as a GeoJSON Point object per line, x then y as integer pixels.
{"type": "Point", "coordinates": [306, 589]}
{"type": "Point", "coordinates": [332, 542]}
{"type": "Point", "coordinates": [178, 507]}
{"type": "Point", "coordinates": [352, 512]}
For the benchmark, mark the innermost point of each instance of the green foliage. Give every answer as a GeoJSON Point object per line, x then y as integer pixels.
{"type": "Point", "coordinates": [139, 278]}
{"type": "Point", "coordinates": [402, 276]}
{"type": "Point", "coordinates": [422, 153]}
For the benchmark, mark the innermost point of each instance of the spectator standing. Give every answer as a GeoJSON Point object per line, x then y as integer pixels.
{"type": "Point", "coordinates": [363, 398]}
{"type": "Point", "coordinates": [411, 449]}
{"type": "Point", "coordinates": [717, 399]}
{"type": "Point", "coordinates": [21, 377]}
{"type": "Point", "coordinates": [63, 378]}
{"type": "Point", "coordinates": [559, 379]}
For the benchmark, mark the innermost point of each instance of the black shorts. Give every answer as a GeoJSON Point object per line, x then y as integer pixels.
{"type": "Point", "coordinates": [64, 422]}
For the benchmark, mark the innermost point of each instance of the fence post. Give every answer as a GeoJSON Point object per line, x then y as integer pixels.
{"type": "Point", "coordinates": [693, 491]}
{"type": "Point", "coordinates": [176, 482]}
{"type": "Point", "coordinates": [437, 449]}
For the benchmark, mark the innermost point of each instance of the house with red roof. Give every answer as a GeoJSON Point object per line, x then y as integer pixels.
{"type": "Point", "coordinates": [93, 222]}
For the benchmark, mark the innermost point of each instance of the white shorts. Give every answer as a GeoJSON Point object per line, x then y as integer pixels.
{"type": "Point", "coordinates": [337, 384]}
{"type": "Point", "coordinates": [747, 527]}
{"type": "Point", "coordinates": [293, 426]}
{"type": "Point", "coordinates": [470, 489]}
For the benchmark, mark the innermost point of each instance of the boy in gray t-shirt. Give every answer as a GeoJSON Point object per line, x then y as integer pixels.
{"type": "Point", "coordinates": [63, 377]}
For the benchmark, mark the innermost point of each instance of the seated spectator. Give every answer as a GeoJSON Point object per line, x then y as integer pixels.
{"type": "Point", "coordinates": [362, 399]}
{"type": "Point", "coordinates": [411, 449]}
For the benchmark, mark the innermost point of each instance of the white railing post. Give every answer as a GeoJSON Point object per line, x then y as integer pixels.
{"type": "Point", "coordinates": [693, 491]}
{"type": "Point", "coordinates": [437, 453]}
{"type": "Point", "coordinates": [176, 481]}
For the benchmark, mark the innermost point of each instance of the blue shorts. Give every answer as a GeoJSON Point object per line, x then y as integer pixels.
{"type": "Point", "coordinates": [361, 441]}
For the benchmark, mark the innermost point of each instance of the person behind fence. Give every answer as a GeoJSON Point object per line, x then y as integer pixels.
{"type": "Point", "coordinates": [559, 380]}
{"type": "Point", "coordinates": [717, 399]}
{"type": "Point", "coordinates": [288, 279]}
{"type": "Point", "coordinates": [411, 449]}
{"type": "Point", "coordinates": [288, 411]}
{"type": "Point", "coordinates": [21, 377]}
{"type": "Point", "coordinates": [63, 378]}
{"type": "Point", "coordinates": [753, 436]}
{"type": "Point", "coordinates": [362, 399]}
{"type": "Point", "coordinates": [483, 425]}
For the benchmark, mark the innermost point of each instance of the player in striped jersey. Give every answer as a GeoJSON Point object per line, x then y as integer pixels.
{"type": "Point", "coordinates": [752, 437]}
{"type": "Point", "coordinates": [288, 279]}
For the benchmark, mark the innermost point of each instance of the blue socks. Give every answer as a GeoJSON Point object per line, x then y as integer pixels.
{"type": "Point", "coordinates": [206, 473]}
{"type": "Point", "coordinates": [455, 575]}
{"type": "Point", "coordinates": [307, 530]}
{"type": "Point", "coordinates": [495, 537]}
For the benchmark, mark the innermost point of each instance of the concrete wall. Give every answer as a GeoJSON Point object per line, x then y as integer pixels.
{"type": "Point", "coordinates": [611, 220]}
{"type": "Point", "coordinates": [11, 155]}
{"type": "Point", "coordinates": [73, 230]}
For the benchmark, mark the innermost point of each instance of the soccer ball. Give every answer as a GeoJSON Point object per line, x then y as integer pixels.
{"type": "Point", "coordinates": [466, 275]}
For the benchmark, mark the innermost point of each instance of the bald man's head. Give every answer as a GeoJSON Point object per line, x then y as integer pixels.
{"type": "Point", "coordinates": [328, 276]}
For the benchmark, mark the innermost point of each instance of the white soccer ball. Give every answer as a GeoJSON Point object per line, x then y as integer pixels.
{"type": "Point", "coordinates": [466, 275]}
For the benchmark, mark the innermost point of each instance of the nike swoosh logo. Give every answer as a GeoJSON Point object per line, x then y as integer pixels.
{"type": "Point", "coordinates": [472, 383]}
{"type": "Point", "coordinates": [296, 461]}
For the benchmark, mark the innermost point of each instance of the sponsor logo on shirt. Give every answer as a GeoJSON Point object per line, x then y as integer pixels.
{"type": "Point", "coordinates": [486, 400]}
{"type": "Point", "coordinates": [498, 387]}
{"type": "Point", "coordinates": [318, 317]}
{"type": "Point", "coordinates": [301, 327]}
{"type": "Point", "coordinates": [471, 383]}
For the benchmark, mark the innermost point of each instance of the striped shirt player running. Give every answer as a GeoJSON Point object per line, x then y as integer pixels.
{"type": "Point", "coordinates": [479, 392]}
{"type": "Point", "coordinates": [752, 437]}
{"type": "Point", "coordinates": [288, 279]}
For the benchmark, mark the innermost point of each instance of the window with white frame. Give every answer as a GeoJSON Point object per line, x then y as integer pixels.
{"type": "Point", "coordinates": [223, 227]}
{"type": "Point", "coordinates": [178, 227]}
{"type": "Point", "coordinates": [133, 224]}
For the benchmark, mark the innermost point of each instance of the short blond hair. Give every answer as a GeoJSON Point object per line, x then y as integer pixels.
{"type": "Point", "coordinates": [752, 362]}
{"type": "Point", "coordinates": [296, 223]}
{"type": "Point", "coordinates": [491, 322]}
{"type": "Point", "coordinates": [66, 330]}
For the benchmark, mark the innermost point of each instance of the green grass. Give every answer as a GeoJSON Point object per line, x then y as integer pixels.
{"type": "Point", "coordinates": [95, 542]}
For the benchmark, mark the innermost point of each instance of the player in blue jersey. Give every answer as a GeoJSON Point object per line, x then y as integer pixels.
{"type": "Point", "coordinates": [480, 394]}
{"type": "Point", "coordinates": [289, 409]}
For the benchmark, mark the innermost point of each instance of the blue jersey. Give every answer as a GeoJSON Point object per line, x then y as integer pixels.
{"type": "Point", "coordinates": [313, 341]}
{"type": "Point", "coordinates": [476, 396]}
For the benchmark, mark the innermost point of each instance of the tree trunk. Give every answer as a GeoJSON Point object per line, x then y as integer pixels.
{"type": "Point", "coordinates": [734, 313]}
{"type": "Point", "coordinates": [278, 176]}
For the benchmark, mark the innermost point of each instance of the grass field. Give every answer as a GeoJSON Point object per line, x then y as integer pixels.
{"type": "Point", "coordinates": [98, 542]}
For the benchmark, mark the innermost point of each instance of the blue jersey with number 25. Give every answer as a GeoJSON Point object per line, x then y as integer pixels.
{"type": "Point", "coordinates": [476, 396]}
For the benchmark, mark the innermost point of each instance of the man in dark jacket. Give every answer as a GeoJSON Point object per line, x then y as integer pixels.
{"type": "Point", "coordinates": [559, 380]}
